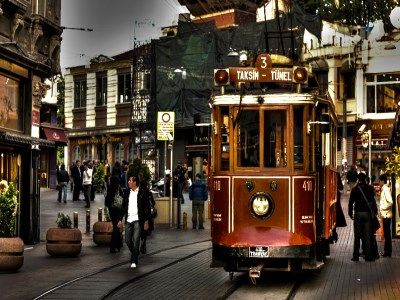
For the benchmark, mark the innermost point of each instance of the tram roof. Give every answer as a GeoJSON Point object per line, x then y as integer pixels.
{"type": "Point", "coordinates": [281, 98]}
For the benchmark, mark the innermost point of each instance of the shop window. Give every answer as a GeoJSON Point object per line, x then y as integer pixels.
{"type": "Point", "coordinates": [80, 93]}
{"type": "Point", "coordinates": [124, 87]}
{"type": "Point", "coordinates": [101, 90]}
{"type": "Point", "coordinates": [10, 103]}
{"type": "Point", "coordinates": [132, 152]}
{"type": "Point", "coordinates": [119, 152]}
{"type": "Point", "coordinates": [87, 155]}
{"type": "Point", "coordinates": [76, 152]}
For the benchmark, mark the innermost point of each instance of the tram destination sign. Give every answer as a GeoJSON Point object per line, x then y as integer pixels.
{"type": "Point", "coordinates": [261, 75]}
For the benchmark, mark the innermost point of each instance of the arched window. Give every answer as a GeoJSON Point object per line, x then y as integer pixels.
{"type": "Point", "coordinates": [87, 155]}
{"type": "Point", "coordinates": [119, 152]}
{"type": "Point", "coordinates": [132, 152]}
{"type": "Point", "coordinates": [76, 153]}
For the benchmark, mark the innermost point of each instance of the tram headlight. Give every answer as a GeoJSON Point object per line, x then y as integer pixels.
{"type": "Point", "coordinates": [300, 74]}
{"type": "Point", "coordinates": [261, 205]}
{"type": "Point", "coordinates": [221, 77]}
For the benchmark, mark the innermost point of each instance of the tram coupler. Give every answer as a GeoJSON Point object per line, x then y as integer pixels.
{"type": "Point", "coordinates": [255, 272]}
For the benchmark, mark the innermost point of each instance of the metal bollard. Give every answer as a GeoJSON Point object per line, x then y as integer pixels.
{"type": "Point", "coordinates": [88, 221]}
{"type": "Point", "coordinates": [184, 221]}
{"type": "Point", "coordinates": [99, 214]}
{"type": "Point", "coordinates": [75, 220]}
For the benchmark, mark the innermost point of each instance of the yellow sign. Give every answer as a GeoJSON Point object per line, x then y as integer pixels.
{"type": "Point", "coordinates": [165, 125]}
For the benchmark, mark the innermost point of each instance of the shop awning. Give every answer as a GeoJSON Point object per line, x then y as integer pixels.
{"type": "Point", "coordinates": [56, 135]}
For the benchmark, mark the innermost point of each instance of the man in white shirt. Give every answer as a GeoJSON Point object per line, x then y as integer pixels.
{"type": "Point", "coordinates": [385, 208]}
{"type": "Point", "coordinates": [137, 212]}
{"type": "Point", "coordinates": [87, 182]}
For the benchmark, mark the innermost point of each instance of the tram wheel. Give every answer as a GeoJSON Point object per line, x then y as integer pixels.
{"type": "Point", "coordinates": [231, 275]}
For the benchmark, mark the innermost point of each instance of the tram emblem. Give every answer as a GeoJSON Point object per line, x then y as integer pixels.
{"type": "Point", "coordinates": [273, 185]}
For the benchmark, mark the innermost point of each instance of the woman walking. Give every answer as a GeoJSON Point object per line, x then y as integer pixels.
{"type": "Point", "coordinates": [113, 202]}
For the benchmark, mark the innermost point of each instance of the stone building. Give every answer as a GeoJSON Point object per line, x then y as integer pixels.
{"type": "Point", "coordinates": [104, 118]}
{"type": "Point", "coordinates": [30, 36]}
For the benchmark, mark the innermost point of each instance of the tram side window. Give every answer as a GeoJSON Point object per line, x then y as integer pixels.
{"type": "Point", "coordinates": [298, 136]}
{"type": "Point", "coordinates": [275, 145]}
{"type": "Point", "coordinates": [249, 132]}
{"type": "Point", "coordinates": [224, 130]}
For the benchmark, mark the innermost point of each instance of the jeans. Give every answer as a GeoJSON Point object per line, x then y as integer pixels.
{"type": "Point", "coordinates": [197, 207]}
{"type": "Point", "coordinates": [387, 223]}
{"type": "Point", "coordinates": [132, 239]}
{"type": "Point", "coordinates": [86, 193]}
{"type": "Point", "coordinates": [363, 230]}
{"type": "Point", "coordinates": [63, 191]}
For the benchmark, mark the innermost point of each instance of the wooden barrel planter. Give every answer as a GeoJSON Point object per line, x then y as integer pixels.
{"type": "Point", "coordinates": [102, 233]}
{"type": "Point", "coordinates": [63, 241]}
{"type": "Point", "coordinates": [11, 254]}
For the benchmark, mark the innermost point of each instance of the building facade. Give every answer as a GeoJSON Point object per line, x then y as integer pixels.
{"type": "Point", "coordinates": [104, 118]}
{"type": "Point", "coordinates": [30, 36]}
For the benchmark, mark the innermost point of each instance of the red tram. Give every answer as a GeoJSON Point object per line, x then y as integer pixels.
{"type": "Point", "coordinates": [273, 183]}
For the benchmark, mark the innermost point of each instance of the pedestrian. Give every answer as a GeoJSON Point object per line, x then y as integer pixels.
{"type": "Point", "coordinates": [362, 207]}
{"type": "Point", "coordinates": [95, 165]}
{"type": "Point", "coordinates": [198, 194]}
{"type": "Point", "coordinates": [144, 233]}
{"type": "Point", "coordinates": [136, 211]}
{"type": "Point", "coordinates": [87, 182]}
{"type": "Point", "coordinates": [62, 180]}
{"type": "Point", "coordinates": [113, 202]}
{"type": "Point", "coordinates": [340, 219]}
{"type": "Point", "coordinates": [351, 177]}
{"type": "Point", "coordinates": [385, 209]}
{"type": "Point", "coordinates": [179, 174]}
{"type": "Point", "coordinates": [123, 179]}
{"type": "Point", "coordinates": [77, 179]}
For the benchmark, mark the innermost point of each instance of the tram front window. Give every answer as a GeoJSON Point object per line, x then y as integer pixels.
{"type": "Point", "coordinates": [275, 146]}
{"type": "Point", "coordinates": [249, 146]}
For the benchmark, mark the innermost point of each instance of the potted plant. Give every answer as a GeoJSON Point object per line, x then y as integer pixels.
{"type": "Point", "coordinates": [63, 240]}
{"type": "Point", "coordinates": [102, 230]}
{"type": "Point", "coordinates": [98, 178]}
{"type": "Point", "coordinates": [11, 247]}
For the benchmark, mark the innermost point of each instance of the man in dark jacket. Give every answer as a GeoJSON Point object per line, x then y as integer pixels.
{"type": "Point", "coordinates": [136, 209]}
{"type": "Point", "coordinates": [362, 202]}
{"type": "Point", "coordinates": [62, 180]}
{"type": "Point", "coordinates": [198, 194]}
{"type": "Point", "coordinates": [76, 175]}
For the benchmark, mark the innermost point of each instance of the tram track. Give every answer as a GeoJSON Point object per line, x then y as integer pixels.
{"type": "Point", "coordinates": [101, 271]}
{"type": "Point", "coordinates": [164, 275]}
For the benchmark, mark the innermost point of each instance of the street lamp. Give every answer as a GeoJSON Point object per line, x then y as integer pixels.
{"type": "Point", "coordinates": [366, 140]}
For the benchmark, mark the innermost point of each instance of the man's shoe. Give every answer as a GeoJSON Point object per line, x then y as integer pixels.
{"type": "Point", "coordinates": [194, 227]}
{"type": "Point", "coordinates": [201, 227]}
{"type": "Point", "coordinates": [65, 201]}
{"type": "Point", "coordinates": [133, 265]}
{"type": "Point", "coordinates": [354, 259]}
{"type": "Point", "coordinates": [386, 255]}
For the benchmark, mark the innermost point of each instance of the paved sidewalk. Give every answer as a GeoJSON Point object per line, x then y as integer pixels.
{"type": "Point", "coordinates": [342, 278]}
{"type": "Point", "coordinates": [41, 272]}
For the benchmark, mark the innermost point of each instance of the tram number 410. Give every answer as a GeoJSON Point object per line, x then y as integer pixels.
{"type": "Point", "coordinates": [307, 185]}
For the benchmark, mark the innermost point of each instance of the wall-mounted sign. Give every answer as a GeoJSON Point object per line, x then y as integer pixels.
{"type": "Point", "coordinates": [102, 140]}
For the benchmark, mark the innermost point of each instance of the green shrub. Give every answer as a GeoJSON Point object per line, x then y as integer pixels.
{"type": "Point", "coordinates": [63, 221]}
{"type": "Point", "coordinates": [8, 208]}
{"type": "Point", "coordinates": [98, 177]}
{"type": "Point", "coordinates": [139, 170]}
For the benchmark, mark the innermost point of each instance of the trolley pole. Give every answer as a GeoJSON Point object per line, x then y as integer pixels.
{"type": "Point", "coordinates": [171, 184]}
